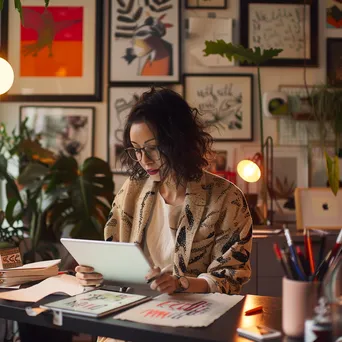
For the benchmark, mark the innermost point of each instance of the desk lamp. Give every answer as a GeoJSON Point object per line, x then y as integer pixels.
{"type": "Point", "coordinates": [250, 170]}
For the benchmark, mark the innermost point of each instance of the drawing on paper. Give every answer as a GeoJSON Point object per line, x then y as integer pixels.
{"type": "Point", "coordinates": [225, 103]}
{"type": "Point", "coordinates": [280, 27]}
{"type": "Point", "coordinates": [46, 34]}
{"type": "Point", "coordinates": [145, 40]}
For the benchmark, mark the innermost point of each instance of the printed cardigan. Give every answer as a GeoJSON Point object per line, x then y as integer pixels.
{"type": "Point", "coordinates": [214, 233]}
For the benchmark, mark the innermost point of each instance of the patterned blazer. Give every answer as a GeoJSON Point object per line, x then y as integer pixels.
{"type": "Point", "coordinates": [214, 233]}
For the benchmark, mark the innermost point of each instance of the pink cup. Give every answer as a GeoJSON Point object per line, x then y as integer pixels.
{"type": "Point", "coordinates": [299, 301]}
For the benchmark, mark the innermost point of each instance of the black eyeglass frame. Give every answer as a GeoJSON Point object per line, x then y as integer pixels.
{"type": "Point", "coordinates": [140, 150]}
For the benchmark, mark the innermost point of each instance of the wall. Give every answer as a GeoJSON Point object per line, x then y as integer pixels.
{"type": "Point", "coordinates": [271, 79]}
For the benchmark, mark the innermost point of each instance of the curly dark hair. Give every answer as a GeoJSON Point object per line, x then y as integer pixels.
{"type": "Point", "coordinates": [182, 140]}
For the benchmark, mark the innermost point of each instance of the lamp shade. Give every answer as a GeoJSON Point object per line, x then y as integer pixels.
{"type": "Point", "coordinates": [6, 76]}
{"type": "Point", "coordinates": [248, 171]}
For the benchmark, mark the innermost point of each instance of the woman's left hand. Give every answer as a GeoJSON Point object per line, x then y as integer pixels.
{"type": "Point", "coordinates": [166, 283]}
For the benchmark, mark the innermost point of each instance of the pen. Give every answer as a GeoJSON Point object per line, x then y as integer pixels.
{"type": "Point", "coordinates": [285, 267]}
{"type": "Point", "coordinates": [303, 261]}
{"type": "Point", "coordinates": [166, 269]}
{"type": "Point", "coordinates": [293, 254]}
{"type": "Point", "coordinates": [309, 251]}
{"type": "Point", "coordinates": [254, 310]}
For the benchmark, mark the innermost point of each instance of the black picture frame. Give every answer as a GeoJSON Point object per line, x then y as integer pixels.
{"type": "Point", "coordinates": [286, 61]}
{"type": "Point", "coordinates": [334, 62]}
{"type": "Point", "coordinates": [94, 96]}
{"type": "Point", "coordinates": [68, 142]}
{"type": "Point", "coordinates": [228, 97]}
{"type": "Point", "coordinates": [198, 6]}
{"type": "Point", "coordinates": [112, 81]}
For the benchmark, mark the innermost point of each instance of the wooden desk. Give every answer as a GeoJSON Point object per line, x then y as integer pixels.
{"type": "Point", "coordinates": [222, 330]}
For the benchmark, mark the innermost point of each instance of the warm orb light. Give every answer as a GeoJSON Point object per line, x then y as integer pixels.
{"type": "Point", "coordinates": [248, 171]}
{"type": "Point", "coordinates": [6, 76]}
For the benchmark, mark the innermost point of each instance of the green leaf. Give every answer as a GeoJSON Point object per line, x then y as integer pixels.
{"type": "Point", "coordinates": [1, 4]}
{"type": "Point", "coordinates": [47, 3]}
{"type": "Point", "coordinates": [31, 173]}
{"type": "Point", "coordinates": [17, 5]}
{"type": "Point", "coordinates": [333, 172]}
{"type": "Point", "coordinates": [240, 53]}
{"type": "Point", "coordinates": [10, 210]}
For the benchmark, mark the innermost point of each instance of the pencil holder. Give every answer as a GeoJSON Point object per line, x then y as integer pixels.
{"type": "Point", "coordinates": [299, 300]}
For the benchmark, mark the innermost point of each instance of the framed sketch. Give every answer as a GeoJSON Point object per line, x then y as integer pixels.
{"type": "Point", "coordinates": [281, 24]}
{"type": "Point", "coordinates": [57, 55]}
{"type": "Point", "coordinates": [206, 4]}
{"type": "Point", "coordinates": [120, 102]}
{"type": "Point", "coordinates": [334, 14]}
{"type": "Point", "coordinates": [144, 42]}
{"type": "Point", "coordinates": [226, 103]}
{"type": "Point", "coordinates": [63, 130]}
{"type": "Point", "coordinates": [334, 62]}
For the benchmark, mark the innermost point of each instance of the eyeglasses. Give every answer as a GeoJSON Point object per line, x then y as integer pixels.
{"type": "Point", "coordinates": [152, 152]}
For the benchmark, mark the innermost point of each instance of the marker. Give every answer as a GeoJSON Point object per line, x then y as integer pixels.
{"type": "Point", "coordinates": [166, 269]}
{"type": "Point", "coordinates": [253, 311]}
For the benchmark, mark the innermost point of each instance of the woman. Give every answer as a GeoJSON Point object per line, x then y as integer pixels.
{"type": "Point", "coordinates": [187, 220]}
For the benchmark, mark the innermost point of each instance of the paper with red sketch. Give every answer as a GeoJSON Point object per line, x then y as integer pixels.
{"type": "Point", "coordinates": [182, 310]}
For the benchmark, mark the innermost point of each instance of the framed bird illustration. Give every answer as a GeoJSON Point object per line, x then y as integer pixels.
{"type": "Point", "coordinates": [144, 42]}
{"type": "Point", "coordinates": [55, 52]}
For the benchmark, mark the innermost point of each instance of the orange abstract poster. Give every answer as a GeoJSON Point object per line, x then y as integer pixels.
{"type": "Point", "coordinates": [51, 42]}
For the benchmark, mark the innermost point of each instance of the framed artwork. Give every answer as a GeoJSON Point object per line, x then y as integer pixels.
{"type": "Point", "coordinates": [57, 55]}
{"type": "Point", "coordinates": [120, 102]}
{"type": "Point", "coordinates": [334, 62]}
{"type": "Point", "coordinates": [144, 42]}
{"type": "Point", "coordinates": [226, 103]}
{"type": "Point", "coordinates": [206, 4]}
{"type": "Point", "coordinates": [334, 14]}
{"type": "Point", "coordinates": [63, 130]}
{"type": "Point", "coordinates": [281, 24]}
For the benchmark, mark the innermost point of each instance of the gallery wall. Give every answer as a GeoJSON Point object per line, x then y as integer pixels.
{"type": "Point", "coordinates": [272, 78]}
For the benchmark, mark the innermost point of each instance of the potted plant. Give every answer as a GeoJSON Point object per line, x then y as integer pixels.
{"type": "Point", "coordinates": [52, 193]}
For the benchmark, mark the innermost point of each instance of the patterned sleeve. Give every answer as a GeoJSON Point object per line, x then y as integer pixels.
{"type": "Point", "coordinates": [112, 227]}
{"type": "Point", "coordinates": [230, 266]}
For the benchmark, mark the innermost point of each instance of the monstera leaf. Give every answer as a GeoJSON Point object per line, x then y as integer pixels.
{"type": "Point", "coordinates": [87, 200]}
{"type": "Point", "coordinates": [239, 53]}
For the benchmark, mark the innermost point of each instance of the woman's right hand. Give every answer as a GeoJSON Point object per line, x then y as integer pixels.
{"type": "Point", "coordinates": [87, 277]}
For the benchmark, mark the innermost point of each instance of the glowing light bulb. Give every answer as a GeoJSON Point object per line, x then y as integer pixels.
{"type": "Point", "coordinates": [248, 171]}
{"type": "Point", "coordinates": [6, 76]}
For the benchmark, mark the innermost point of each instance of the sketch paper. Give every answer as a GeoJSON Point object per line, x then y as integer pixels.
{"type": "Point", "coordinates": [280, 26]}
{"type": "Point", "coordinates": [96, 303]}
{"type": "Point", "coordinates": [186, 310]}
{"type": "Point", "coordinates": [63, 283]}
{"type": "Point", "coordinates": [201, 29]}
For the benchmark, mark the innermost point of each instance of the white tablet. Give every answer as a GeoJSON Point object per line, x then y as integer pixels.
{"type": "Point", "coordinates": [122, 263]}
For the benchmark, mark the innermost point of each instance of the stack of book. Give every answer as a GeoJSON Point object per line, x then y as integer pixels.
{"type": "Point", "coordinates": [30, 272]}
